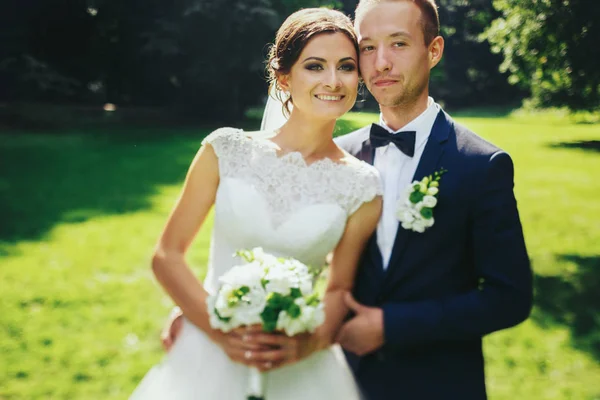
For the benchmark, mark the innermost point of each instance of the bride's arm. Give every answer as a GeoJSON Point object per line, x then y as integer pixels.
{"type": "Point", "coordinates": [168, 263]}
{"type": "Point", "coordinates": [342, 271]}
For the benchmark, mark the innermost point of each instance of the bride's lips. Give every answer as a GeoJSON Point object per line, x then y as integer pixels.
{"type": "Point", "coordinates": [329, 97]}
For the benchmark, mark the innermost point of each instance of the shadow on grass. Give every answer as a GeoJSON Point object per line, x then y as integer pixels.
{"type": "Point", "coordinates": [589, 145]}
{"type": "Point", "coordinates": [573, 300]}
{"type": "Point", "coordinates": [48, 178]}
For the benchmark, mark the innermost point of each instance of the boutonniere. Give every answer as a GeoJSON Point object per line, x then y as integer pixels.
{"type": "Point", "coordinates": [415, 208]}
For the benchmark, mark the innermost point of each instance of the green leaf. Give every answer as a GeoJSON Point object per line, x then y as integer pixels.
{"type": "Point", "coordinates": [224, 319]}
{"type": "Point", "coordinates": [247, 255]}
{"type": "Point", "coordinates": [275, 300]}
{"type": "Point", "coordinates": [242, 291]}
{"type": "Point", "coordinates": [269, 326]}
{"type": "Point", "coordinates": [313, 300]}
{"type": "Point", "coordinates": [416, 197]}
{"type": "Point", "coordinates": [270, 314]}
{"type": "Point", "coordinates": [427, 212]}
{"type": "Point", "coordinates": [233, 301]}
{"type": "Point", "coordinates": [294, 310]}
{"type": "Point", "coordinates": [295, 293]}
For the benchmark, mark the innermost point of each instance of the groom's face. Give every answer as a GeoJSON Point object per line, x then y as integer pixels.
{"type": "Point", "coordinates": [394, 59]}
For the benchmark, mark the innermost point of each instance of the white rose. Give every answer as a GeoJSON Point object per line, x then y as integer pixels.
{"type": "Point", "coordinates": [244, 275]}
{"type": "Point", "coordinates": [428, 222]}
{"type": "Point", "coordinates": [280, 280]}
{"type": "Point", "coordinates": [217, 323]}
{"type": "Point", "coordinates": [432, 191]}
{"type": "Point", "coordinates": [418, 206]}
{"type": "Point", "coordinates": [296, 266]}
{"type": "Point", "coordinates": [429, 201]}
{"type": "Point", "coordinates": [258, 253]}
{"type": "Point", "coordinates": [410, 188]}
{"type": "Point", "coordinates": [418, 226]}
{"type": "Point", "coordinates": [247, 312]}
{"type": "Point", "coordinates": [305, 285]}
{"type": "Point", "coordinates": [403, 214]}
{"type": "Point", "coordinates": [221, 302]}
{"type": "Point", "coordinates": [407, 225]}
{"type": "Point", "coordinates": [313, 317]}
{"type": "Point", "coordinates": [214, 320]}
{"type": "Point", "coordinates": [291, 326]}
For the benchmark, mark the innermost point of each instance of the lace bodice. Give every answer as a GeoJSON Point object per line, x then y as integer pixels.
{"type": "Point", "coordinates": [279, 202]}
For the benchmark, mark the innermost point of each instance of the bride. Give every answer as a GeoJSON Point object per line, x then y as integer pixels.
{"type": "Point", "coordinates": [295, 193]}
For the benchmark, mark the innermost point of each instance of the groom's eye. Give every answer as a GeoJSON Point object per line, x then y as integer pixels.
{"type": "Point", "coordinates": [314, 67]}
{"type": "Point", "coordinates": [366, 48]}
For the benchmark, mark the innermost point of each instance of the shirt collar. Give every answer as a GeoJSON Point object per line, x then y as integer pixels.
{"type": "Point", "coordinates": [422, 124]}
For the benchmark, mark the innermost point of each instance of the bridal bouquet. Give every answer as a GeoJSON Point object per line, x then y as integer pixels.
{"type": "Point", "coordinates": [277, 293]}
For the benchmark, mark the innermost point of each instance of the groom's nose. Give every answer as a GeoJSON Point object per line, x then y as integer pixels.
{"type": "Point", "coordinates": [382, 59]}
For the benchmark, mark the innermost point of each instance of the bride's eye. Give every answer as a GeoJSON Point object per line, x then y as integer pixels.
{"type": "Point", "coordinates": [349, 67]}
{"type": "Point", "coordinates": [314, 67]}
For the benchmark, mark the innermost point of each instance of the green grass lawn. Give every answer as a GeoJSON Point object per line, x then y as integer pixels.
{"type": "Point", "coordinates": [80, 211]}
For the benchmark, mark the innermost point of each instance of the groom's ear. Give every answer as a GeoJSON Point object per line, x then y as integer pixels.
{"type": "Point", "coordinates": [436, 50]}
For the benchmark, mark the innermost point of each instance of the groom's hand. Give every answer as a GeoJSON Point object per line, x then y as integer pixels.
{"type": "Point", "coordinates": [362, 334]}
{"type": "Point", "coordinates": [172, 329]}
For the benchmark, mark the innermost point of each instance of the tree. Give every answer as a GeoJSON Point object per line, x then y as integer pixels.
{"type": "Point", "coordinates": [550, 47]}
{"type": "Point", "coordinates": [468, 75]}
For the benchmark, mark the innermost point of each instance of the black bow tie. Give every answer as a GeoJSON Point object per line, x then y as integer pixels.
{"type": "Point", "coordinates": [405, 140]}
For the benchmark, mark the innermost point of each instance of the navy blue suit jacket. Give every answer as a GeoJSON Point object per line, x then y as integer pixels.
{"type": "Point", "coordinates": [444, 289]}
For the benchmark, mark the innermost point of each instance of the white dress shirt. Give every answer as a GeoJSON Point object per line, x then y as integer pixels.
{"type": "Point", "coordinates": [397, 171]}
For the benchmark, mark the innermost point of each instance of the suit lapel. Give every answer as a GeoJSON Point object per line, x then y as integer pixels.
{"type": "Point", "coordinates": [429, 162]}
{"type": "Point", "coordinates": [367, 152]}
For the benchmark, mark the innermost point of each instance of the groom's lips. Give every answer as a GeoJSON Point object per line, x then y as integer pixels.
{"type": "Point", "coordinates": [384, 82]}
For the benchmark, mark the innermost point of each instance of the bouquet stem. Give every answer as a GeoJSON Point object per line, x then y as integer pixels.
{"type": "Point", "coordinates": [256, 385]}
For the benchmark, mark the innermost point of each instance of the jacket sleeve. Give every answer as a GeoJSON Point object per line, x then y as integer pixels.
{"type": "Point", "coordinates": [504, 296]}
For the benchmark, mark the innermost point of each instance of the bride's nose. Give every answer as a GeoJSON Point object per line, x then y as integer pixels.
{"type": "Point", "coordinates": [332, 80]}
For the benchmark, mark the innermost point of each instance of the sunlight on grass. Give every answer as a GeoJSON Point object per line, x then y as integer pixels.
{"type": "Point", "coordinates": [81, 312]}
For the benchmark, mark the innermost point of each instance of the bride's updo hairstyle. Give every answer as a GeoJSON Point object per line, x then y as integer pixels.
{"type": "Point", "coordinates": [292, 37]}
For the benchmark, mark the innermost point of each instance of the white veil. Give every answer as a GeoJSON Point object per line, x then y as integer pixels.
{"type": "Point", "coordinates": [273, 116]}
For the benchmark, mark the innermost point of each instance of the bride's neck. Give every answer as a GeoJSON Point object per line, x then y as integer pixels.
{"type": "Point", "coordinates": [305, 134]}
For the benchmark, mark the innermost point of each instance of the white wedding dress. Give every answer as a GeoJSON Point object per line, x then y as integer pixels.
{"type": "Point", "coordinates": [290, 209]}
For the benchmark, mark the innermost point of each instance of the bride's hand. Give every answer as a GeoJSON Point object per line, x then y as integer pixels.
{"type": "Point", "coordinates": [284, 349]}
{"type": "Point", "coordinates": [240, 348]}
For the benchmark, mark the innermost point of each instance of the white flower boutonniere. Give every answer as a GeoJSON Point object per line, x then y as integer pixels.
{"type": "Point", "coordinates": [415, 208]}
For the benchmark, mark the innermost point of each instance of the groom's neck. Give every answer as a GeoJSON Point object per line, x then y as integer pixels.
{"type": "Point", "coordinates": [398, 116]}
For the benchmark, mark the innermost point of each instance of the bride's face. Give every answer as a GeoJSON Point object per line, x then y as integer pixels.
{"type": "Point", "coordinates": [323, 82]}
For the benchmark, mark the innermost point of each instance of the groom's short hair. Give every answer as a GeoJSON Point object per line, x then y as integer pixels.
{"type": "Point", "coordinates": [430, 18]}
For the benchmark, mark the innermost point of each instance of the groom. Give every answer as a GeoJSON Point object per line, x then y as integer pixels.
{"type": "Point", "coordinates": [424, 300]}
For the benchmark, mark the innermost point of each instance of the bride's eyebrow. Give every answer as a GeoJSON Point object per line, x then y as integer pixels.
{"type": "Point", "coordinates": [324, 60]}
{"type": "Point", "coordinates": [315, 58]}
